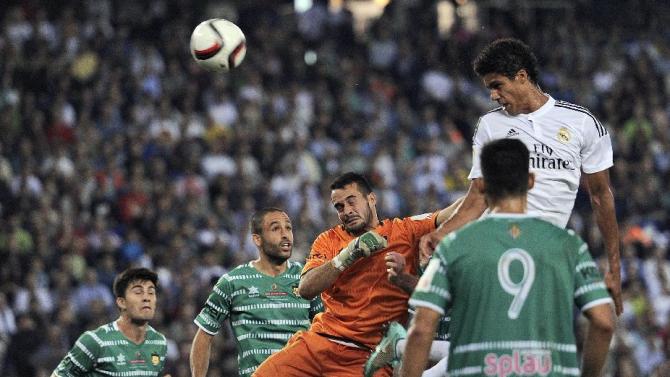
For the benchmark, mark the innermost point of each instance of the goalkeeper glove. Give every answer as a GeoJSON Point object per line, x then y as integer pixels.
{"type": "Point", "coordinates": [362, 246]}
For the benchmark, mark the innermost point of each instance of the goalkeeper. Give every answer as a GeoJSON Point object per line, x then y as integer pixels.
{"type": "Point", "coordinates": [346, 267]}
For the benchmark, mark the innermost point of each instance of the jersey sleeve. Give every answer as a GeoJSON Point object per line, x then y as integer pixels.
{"type": "Point", "coordinates": [79, 361]}
{"type": "Point", "coordinates": [323, 250]}
{"type": "Point", "coordinates": [419, 225]}
{"type": "Point", "coordinates": [432, 290]}
{"type": "Point", "coordinates": [478, 141]}
{"type": "Point", "coordinates": [217, 307]}
{"type": "Point", "coordinates": [590, 289]}
{"type": "Point", "coordinates": [596, 152]}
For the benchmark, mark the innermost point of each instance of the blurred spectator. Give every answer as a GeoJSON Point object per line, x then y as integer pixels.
{"type": "Point", "coordinates": [89, 292]}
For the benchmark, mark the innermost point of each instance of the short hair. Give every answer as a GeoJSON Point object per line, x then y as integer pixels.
{"type": "Point", "coordinates": [130, 275]}
{"type": "Point", "coordinates": [256, 223]}
{"type": "Point", "coordinates": [505, 168]}
{"type": "Point", "coordinates": [506, 56]}
{"type": "Point", "coordinates": [352, 177]}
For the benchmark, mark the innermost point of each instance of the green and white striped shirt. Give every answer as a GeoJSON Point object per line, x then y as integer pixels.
{"type": "Point", "coordinates": [264, 311]}
{"type": "Point", "coordinates": [105, 351]}
{"type": "Point", "coordinates": [511, 282]}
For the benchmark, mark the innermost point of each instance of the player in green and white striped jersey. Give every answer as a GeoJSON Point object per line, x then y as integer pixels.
{"type": "Point", "coordinates": [260, 298]}
{"type": "Point", "coordinates": [127, 347]}
{"type": "Point", "coordinates": [510, 281]}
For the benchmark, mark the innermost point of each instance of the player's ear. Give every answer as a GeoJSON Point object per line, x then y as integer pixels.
{"type": "Point", "coordinates": [372, 198]}
{"type": "Point", "coordinates": [257, 240]}
{"type": "Point", "coordinates": [531, 180]}
{"type": "Point", "coordinates": [521, 75]}
{"type": "Point", "coordinates": [121, 303]}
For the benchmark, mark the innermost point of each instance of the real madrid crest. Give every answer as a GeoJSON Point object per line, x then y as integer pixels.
{"type": "Point", "coordinates": [563, 135]}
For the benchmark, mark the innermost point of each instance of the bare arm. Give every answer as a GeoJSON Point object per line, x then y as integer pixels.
{"type": "Point", "coordinates": [395, 269]}
{"type": "Point", "coordinates": [602, 202]}
{"type": "Point", "coordinates": [447, 212]}
{"type": "Point", "coordinates": [598, 337]}
{"type": "Point", "coordinates": [419, 339]}
{"type": "Point", "coordinates": [317, 280]}
{"type": "Point", "coordinates": [199, 357]}
{"type": "Point", "coordinates": [313, 283]}
{"type": "Point", "coordinates": [471, 206]}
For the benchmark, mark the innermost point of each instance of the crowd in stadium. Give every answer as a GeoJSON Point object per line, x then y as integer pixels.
{"type": "Point", "coordinates": [117, 150]}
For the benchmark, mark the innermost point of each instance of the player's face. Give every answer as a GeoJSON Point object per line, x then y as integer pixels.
{"type": "Point", "coordinates": [277, 237]}
{"type": "Point", "coordinates": [354, 209]}
{"type": "Point", "coordinates": [139, 303]}
{"type": "Point", "coordinates": [511, 94]}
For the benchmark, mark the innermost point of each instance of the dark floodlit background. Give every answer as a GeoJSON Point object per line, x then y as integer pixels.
{"type": "Point", "coordinates": [117, 150]}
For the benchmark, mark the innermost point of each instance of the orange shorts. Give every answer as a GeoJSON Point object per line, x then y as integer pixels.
{"type": "Point", "coordinates": [309, 354]}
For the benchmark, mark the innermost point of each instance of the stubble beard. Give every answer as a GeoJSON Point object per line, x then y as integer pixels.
{"type": "Point", "coordinates": [274, 254]}
{"type": "Point", "coordinates": [363, 226]}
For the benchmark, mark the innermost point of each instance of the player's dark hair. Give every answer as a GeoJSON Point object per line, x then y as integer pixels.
{"type": "Point", "coordinates": [123, 280]}
{"type": "Point", "coordinates": [351, 177]}
{"type": "Point", "coordinates": [505, 168]}
{"type": "Point", "coordinates": [506, 57]}
{"type": "Point", "coordinates": [256, 223]}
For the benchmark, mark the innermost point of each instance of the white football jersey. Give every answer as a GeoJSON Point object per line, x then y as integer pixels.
{"type": "Point", "coordinates": [563, 139]}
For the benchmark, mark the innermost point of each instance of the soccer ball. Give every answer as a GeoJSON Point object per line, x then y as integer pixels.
{"type": "Point", "coordinates": [218, 45]}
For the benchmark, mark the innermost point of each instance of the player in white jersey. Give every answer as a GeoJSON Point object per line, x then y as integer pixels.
{"type": "Point", "coordinates": [564, 140]}
{"type": "Point", "coordinates": [510, 282]}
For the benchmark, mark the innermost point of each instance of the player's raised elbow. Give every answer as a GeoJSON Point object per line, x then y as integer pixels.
{"type": "Point", "coordinates": [305, 291]}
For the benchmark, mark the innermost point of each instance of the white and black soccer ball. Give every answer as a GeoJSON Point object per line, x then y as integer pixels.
{"type": "Point", "coordinates": [218, 45]}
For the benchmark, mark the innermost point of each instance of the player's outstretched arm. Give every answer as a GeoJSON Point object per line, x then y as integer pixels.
{"type": "Point", "coordinates": [598, 337]}
{"type": "Point", "coordinates": [199, 357]}
{"type": "Point", "coordinates": [446, 213]}
{"type": "Point", "coordinates": [318, 279]}
{"type": "Point", "coordinates": [602, 202]}
{"type": "Point", "coordinates": [471, 206]}
{"type": "Point", "coordinates": [419, 339]}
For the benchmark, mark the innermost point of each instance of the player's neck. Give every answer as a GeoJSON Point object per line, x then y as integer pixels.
{"type": "Point", "coordinates": [269, 267]}
{"type": "Point", "coordinates": [535, 99]}
{"type": "Point", "coordinates": [510, 205]}
{"type": "Point", "coordinates": [135, 332]}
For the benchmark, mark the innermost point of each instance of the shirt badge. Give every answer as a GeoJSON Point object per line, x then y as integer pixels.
{"type": "Point", "coordinates": [514, 231]}
{"type": "Point", "coordinates": [563, 135]}
{"type": "Point", "coordinates": [253, 291]}
{"type": "Point", "coordinates": [155, 359]}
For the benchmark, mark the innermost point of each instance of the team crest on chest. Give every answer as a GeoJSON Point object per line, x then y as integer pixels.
{"type": "Point", "coordinates": [514, 231]}
{"type": "Point", "coordinates": [563, 135]}
{"type": "Point", "coordinates": [275, 292]}
{"type": "Point", "coordinates": [155, 359]}
{"type": "Point", "coordinates": [253, 292]}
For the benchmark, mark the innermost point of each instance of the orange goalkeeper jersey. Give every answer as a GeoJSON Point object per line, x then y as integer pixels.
{"type": "Point", "coordinates": [362, 299]}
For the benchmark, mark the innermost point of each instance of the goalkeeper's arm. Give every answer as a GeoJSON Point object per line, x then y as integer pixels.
{"type": "Point", "coordinates": [318, 279]}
